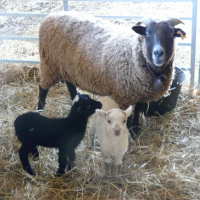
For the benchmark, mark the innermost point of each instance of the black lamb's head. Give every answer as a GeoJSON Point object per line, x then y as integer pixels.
{"type": "Point", "coordinates": [84, 105]}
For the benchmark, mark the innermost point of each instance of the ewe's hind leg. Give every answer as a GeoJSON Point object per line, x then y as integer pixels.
{"type": "Point", "coordinates": [35, 152]}
{"type": "Point", "coordinates": [23, 155]}
{"type": "Point", "coordinates": [42, 97]}
{"type": "Point", "coordinates": [72, 89]}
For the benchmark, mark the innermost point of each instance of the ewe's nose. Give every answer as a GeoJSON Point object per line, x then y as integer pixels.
{"type": "Point", "coordinates": [158, 53]}
{"type": "Point", "coordinates": [117, 132]}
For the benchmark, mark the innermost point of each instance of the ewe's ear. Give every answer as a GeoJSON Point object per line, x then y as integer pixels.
{"type": "Point", "coordinates": [139, 29]}
{"type": "Point", "coordinates": [128, 111]}
{"type": "Point", "coordinates": [101, 113]}
{"type": "Point", "coordinates": [179, 33]}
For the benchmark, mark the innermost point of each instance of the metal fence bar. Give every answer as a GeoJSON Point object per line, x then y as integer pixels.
{"type": "Point", "coordinates": [193, 43]}
{"type": "Point", "coordinates": [19, 61]}
{"type": "Point", "coordinates": [23, 14]}
{"type": "Point", "coordinates": [198, 87]}
{"type": "Point", "coordinates": [65, 4]}
{"type": "Point", "coordinates": [19, 38]}
{"type": "Point", "coordinates": [129, 0]}
{"type": "Point", "coordinates": [66, 7]}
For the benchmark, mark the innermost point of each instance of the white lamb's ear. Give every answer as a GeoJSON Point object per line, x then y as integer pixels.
{"type": "Point", "coordinates": [101, 113]}
{"type": "Point", "coordinates": [128, 111]}
{"type": "Point", "coordinates": [76, 98]}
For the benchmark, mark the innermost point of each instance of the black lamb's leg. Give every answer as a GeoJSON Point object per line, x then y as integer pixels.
{"type": "Point", "coordinates": [23, 155]}
{"type": "Point", "coordinates": [42, 97]}
{"type": "Point", "coordinates": [72, 89]}
{"type": "Point", "coordinates": [35, 152]}
{"type": "Point", "coordinates": [133, 121]}
{"type": "Point", "coordinates": [71, 156]}
{"type": "Point", "coordinates": [62, 161]}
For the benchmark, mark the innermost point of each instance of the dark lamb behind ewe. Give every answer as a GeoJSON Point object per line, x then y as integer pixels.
{"type": "Point", "coordinates": [32, 129]}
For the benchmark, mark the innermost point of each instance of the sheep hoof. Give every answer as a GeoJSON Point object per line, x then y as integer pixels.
{"type": "Point", "coordinates": [29, 171]}
{"type": "Point", "coordinates": [118, 170]}
{"type": "Point", "coordinates": [107, 169]}
{"type": "Point", "coordinates": [59, 174]}
{"type": "Point", "coordinates": [119, 181]}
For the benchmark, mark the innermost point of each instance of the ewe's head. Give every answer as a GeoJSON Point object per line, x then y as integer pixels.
{"type": "Point", "coordinates": [116, 120]}
{"type": "Point", "coordinates": [84, 105]}
{"type": "Point", "coordinates": [159, 39]}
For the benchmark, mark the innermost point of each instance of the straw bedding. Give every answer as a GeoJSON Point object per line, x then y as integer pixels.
{"type": "Point", "coordinates": [163, 163]}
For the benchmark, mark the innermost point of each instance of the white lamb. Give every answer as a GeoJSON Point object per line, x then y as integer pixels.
{"type": "Point", "coordinates": [109, 124]}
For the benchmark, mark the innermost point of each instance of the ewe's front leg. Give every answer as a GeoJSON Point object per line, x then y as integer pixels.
{"type": "Point", "coordinates": [23, 155]}
{"type": "Point", "coordinates": [42, 98]}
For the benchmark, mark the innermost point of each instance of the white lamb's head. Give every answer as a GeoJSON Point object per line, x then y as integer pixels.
{"type": "Point", "coordinates": [115, 120]}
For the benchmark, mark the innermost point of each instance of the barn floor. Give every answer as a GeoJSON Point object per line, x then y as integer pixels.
{"type": "Point", "coordinates": [163, 163]}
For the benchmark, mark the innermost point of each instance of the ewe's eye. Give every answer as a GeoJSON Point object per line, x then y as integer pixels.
{"type": "Point", "coordinates": [124, 121]}
{"type": "Point", "coordinates": [109, 121]}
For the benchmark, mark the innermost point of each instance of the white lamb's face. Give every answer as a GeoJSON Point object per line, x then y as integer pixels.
{"type": "Point", "coordinates": [116, 122]}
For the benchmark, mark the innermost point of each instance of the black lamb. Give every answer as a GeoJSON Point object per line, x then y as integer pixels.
{"type": "Point", "coordinates": [32, 129]}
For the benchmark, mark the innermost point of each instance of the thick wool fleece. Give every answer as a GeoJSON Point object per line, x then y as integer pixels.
{"type": "Point", "coordinates": [97, 56]}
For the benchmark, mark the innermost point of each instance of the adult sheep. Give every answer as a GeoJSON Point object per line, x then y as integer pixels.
{"type": "Point", "coordinates": [107, 59]}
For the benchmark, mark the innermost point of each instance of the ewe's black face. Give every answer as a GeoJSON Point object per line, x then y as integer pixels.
{"type": "Point", "coordinates": [85, 105]}
{"type": "Point", "coordinates": [159, 42]}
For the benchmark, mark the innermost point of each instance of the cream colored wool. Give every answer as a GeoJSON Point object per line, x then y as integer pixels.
{"type": "Point", "coordinates": [107, 103]}
{"type": "Point", "coordinates": [97, 56]}
{"type": "Point", "coordinates": [111, 145]}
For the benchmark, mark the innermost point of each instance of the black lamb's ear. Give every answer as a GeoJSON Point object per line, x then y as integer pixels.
{"type": "Point", "coordinates": [179, 33]}
{"type": "Point", "coordinates": [139, 29]}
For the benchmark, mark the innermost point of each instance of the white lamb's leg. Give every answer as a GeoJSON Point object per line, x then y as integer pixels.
{"type": "Point", "coordinates": [107, 164]}
{"type": "Point", "coordinates": [118, 164]}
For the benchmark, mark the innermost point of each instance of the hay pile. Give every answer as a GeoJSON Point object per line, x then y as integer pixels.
{"type": "Point", "coordinates": [163, 163]}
